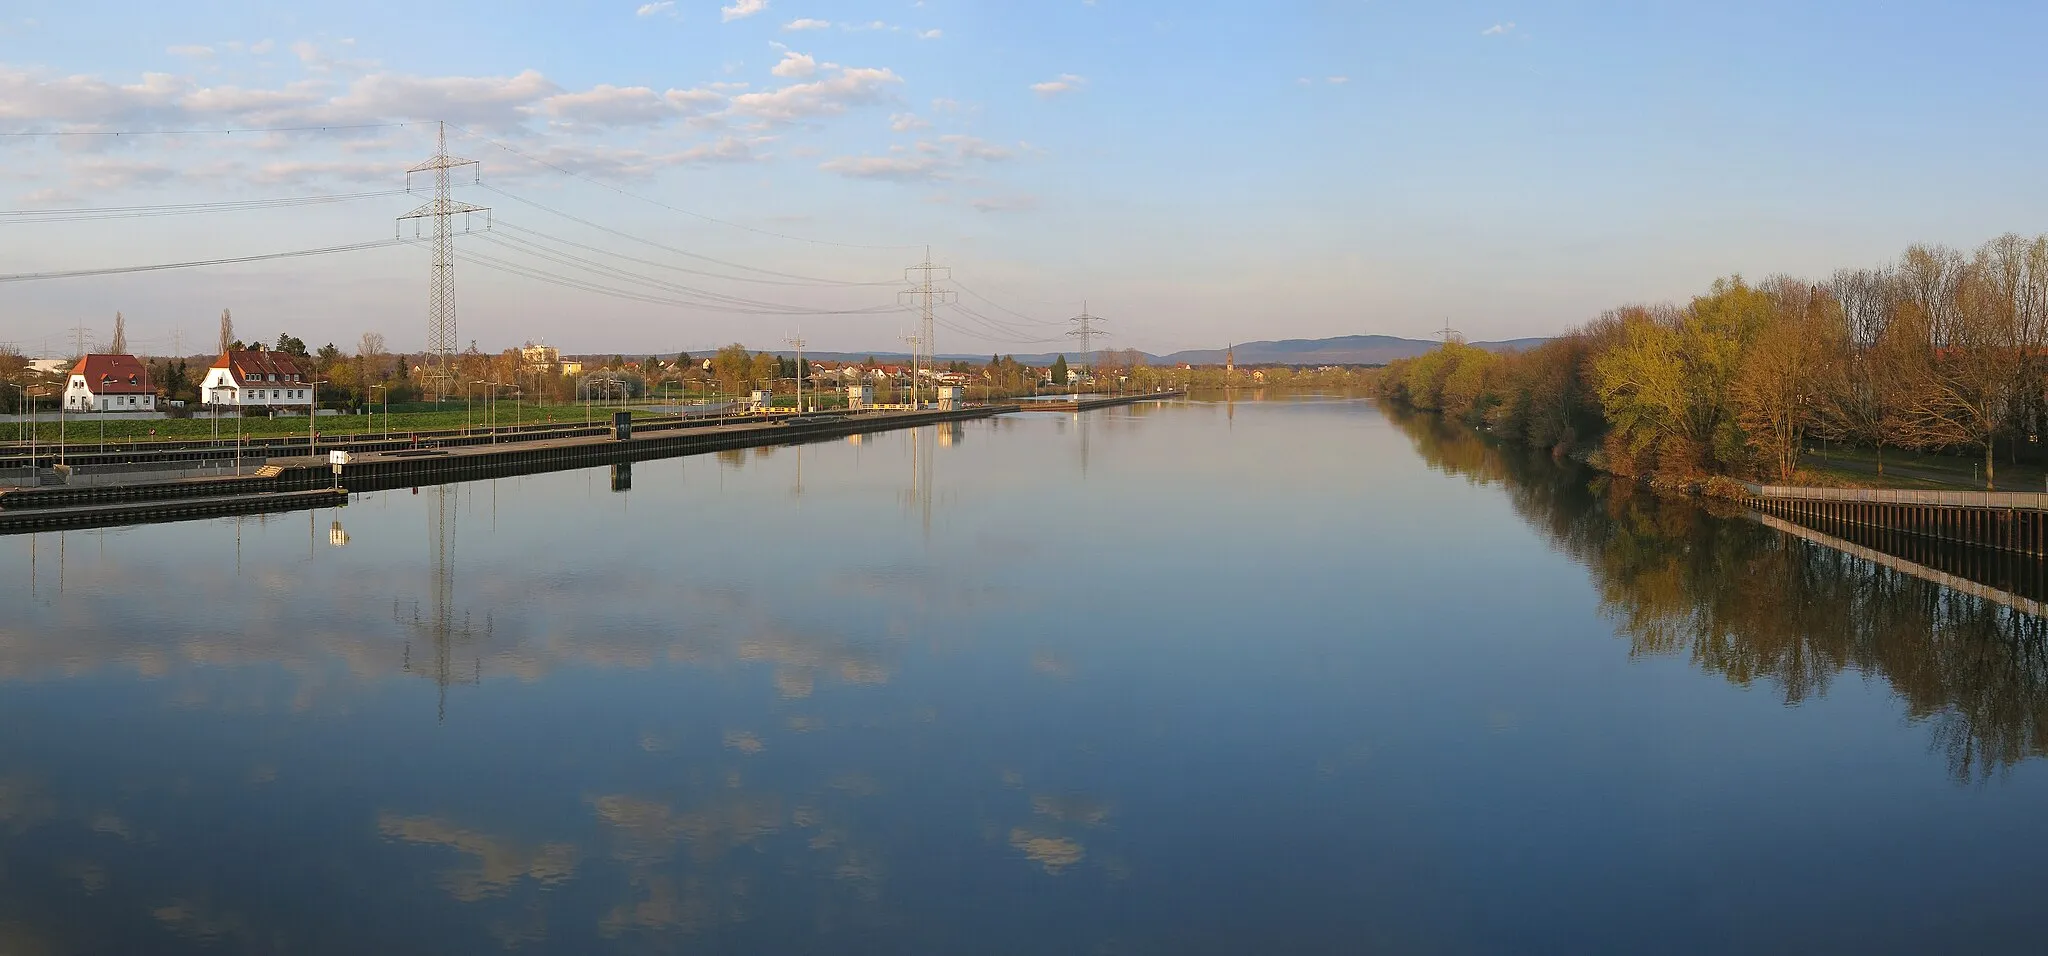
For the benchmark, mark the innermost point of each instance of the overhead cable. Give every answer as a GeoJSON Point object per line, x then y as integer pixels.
{"type": "Point", "coordinates": [656, 202]}
{"type": "Point", "coordinates": [201, 263]}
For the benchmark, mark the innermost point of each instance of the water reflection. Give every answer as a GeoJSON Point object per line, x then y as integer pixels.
{"type": "Point", "coordinates": [1758, 605]}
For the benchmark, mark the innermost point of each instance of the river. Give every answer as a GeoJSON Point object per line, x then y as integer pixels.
{"type": "Point", "coordinates": [1287, 676]}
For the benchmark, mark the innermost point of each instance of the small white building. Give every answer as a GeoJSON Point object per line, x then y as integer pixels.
{"type": "Point", "coordinates": [257, 380]}
{"type": "Point", "coordinates": [952, 397]}
{"type": "Point", "coordinates": [109, 383]}
{"type": "Point", "coordinates": [859, 396]}
{"type": "Point", "coordinates": [762, 400]}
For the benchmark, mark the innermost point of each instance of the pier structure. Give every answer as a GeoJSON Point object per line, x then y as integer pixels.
{"type": "Point", "coordinates": [2015, 522]}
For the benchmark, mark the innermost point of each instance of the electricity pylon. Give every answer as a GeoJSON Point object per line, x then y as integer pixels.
{"type": "Point", "coordinates": [1085, 330]}
{"type": "Point", "coordinates": [923, 279]}
{"type": "Point", "coordinates": [441, 290]}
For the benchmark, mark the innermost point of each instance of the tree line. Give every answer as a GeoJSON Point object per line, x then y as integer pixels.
{"type": "Point", "coordinates": [1939, 350]}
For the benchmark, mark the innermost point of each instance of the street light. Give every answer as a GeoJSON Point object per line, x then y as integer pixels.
{"type": "Point", "coordinates": [313, 415]}
{"type": "Point", "coordinates": [387, 409]}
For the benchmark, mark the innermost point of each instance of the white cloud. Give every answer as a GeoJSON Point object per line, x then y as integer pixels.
{"type": "Point", "coordinates": [307, 172]}
{"type": "Point", "coordinates": [263, 46]}
{"type": "Point", "coordinates": [896, 168]}
{"type": "Point", "coordinates": [807, 23]}
{"type": "Point", "coordinates": [490, 100]}
{"type": "Point", "coordinates": [87, 100]}
{"type": "Point", "coordinates": [1005, 203]}
{"type": "Point", "coordinates": [656, 8]}
{"type": "Point", "coordinates": [693, 101]}
{"type": "Point", "coordinates": [607, 105]}
{"type": "Point", "coordinates": [795, 66]}
{"type": "Point", "coordinates": [946, 105]}
{"type": "Point", "coordinates": [1064, 83]}
{"type": "Point", "coordinates": [1338, 80]}
{"type": "Point", "coordinates": [741, 9]}
{"type": "Point", "coordinates": [191, 50]}
{"type": "Point", "coordinates": [1498, 30]}
{"type": "Point", "coordinates": [870, 25]}
{"type": "Point", "coordinates": [220, 100]}
{"type": "Point", "coordinates": [825, 97]}
{"type": "Point", "coordinates": [931, 34]}
{"type": "Point", "coordinates": [926, 161]}
{"type": "Point", "coordinates": [907, 122]}
{"type": "Point", "coordinates": [974, 147]}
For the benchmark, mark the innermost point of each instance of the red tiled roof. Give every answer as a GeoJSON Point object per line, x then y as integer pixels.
{"type": "Point", "coordinates": [256, 366]}
{"type": "Point", "coordinates": [113, 374]}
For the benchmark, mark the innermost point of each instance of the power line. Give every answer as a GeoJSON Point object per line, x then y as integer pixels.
{"type": "Point", "coordinates": [714, 299]}
{"type": "Point", "coordinates": [89, 213]}
{"type": "Point", "coordinates": [656, 202]}
{"type": "Point", "coordinates": [666, 248]}
{"type": "Point", "coordinates": [201, 263]}
{"type": "Point", "coordinates": [993, 303]}
{"type": "Point", "coordinates": [502, 224]}
{"type": "Point", "coordinates": [542, 275]}
{"type": "Point", "coordinates": [197, 132]}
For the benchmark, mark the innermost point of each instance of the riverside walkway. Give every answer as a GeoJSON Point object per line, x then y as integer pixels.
{"type": "Point", "coordinates": [2003, 520]}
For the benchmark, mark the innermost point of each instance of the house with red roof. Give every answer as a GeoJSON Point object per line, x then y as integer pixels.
{"type": "Point", "coordinates": [109, 383]}
{"type": "Point", "coordinates": [252, 379]}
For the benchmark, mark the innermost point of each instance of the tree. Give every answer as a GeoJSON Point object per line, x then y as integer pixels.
{"type": "Point", "coordinates": [1059, 372]}
{"type": "Point", "coordinates": [291, 345]}
{"type": "Point", "coordinates": [761, 372]}
{"type": "Point", "coordinates": [1777, 385]}
{"type": "Point", "coordinates": [1963, 383]}
{"type": "Point", "coordinates": [731, 366]}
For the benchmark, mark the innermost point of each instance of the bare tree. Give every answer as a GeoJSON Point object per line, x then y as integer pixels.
{"type": "Point", "coordinates": [1962, 383]}
{"type": "Point", "coordinates": [1859, 393]}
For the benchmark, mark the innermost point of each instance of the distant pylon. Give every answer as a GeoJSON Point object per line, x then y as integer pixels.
{"type": "Point", "coordinates": [120, 346]}
{"type": "Point", "coordinates": [923, 278]}
{"type": "Point", "coordinates": [227, 332]}
{"type": "Point", "coordinates": [441, 289]}
{"type": "Point", "coordinates": [1448, 334]}
{"type": "Point", "coordinates": [1085, 330]}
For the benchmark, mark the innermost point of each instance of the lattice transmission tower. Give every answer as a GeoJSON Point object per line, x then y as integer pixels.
{"type": "Point", "coordinates": [441, 290]}
{"type": "Point", "coordinates": [924, 278]}
{"type": "Point", "coordinates": [1085, 328]}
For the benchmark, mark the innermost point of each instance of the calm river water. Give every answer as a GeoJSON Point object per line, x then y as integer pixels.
{"type": "Point", "coordinates": [1263, 677]}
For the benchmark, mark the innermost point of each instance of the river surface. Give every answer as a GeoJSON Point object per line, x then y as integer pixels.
{"type": "Point", "coordinates": [1288, 676]}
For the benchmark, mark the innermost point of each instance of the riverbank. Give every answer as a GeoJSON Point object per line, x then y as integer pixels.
{"type": "Point", "coordinates": [43, 508]}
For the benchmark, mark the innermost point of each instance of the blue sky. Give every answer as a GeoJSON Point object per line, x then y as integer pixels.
{"type": "Point", "coordinates": [1198, 172]}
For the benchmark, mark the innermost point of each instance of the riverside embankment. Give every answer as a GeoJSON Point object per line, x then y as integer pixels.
{"type": "Point", "coordinates": [402, 464]}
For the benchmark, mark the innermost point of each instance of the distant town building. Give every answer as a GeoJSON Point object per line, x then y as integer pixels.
{"type": "Point", "coordinates": [109, 383]}
{"type": "Point", "coordinates": [257, 379]}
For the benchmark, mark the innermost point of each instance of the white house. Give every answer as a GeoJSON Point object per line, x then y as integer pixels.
{"type": "Point", "coordinates": [109, 383]}
{"type": "Point", "coordinates": [257, 379]}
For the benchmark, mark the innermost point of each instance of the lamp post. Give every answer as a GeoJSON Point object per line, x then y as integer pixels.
{"type": "Point", "coordinates": [313, 415]}
{"type": "Point", "coordinates": [236, 397]}
{"type": "Point", "coordinates": [387, 409]}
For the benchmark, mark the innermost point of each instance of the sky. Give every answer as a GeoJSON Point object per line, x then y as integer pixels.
{"type": "Point", "coordinates": [679, 174]}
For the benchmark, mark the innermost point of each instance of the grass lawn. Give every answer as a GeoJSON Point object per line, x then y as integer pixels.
{"type": "Point", "coordinates": [1904, 469]}
{"type": "Point", "coordinates": [86, 430]}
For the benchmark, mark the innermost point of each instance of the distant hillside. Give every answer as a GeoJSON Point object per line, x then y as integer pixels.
{"type": "Point", "coordinates": [1341, 350]}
